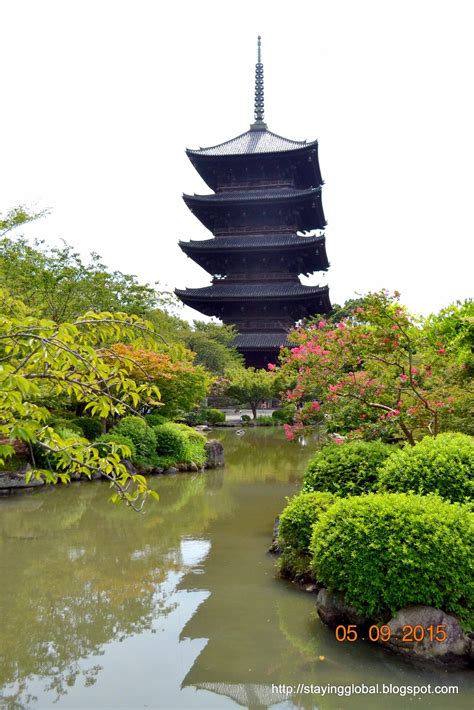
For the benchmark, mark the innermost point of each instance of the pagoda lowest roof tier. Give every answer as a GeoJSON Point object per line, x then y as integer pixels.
{"type": "Point", "coordinates": [263, 195]}
{"type": "Point", "coordinates": [232, 291]}
{"type": "Point", "coordinates": [252, 142]}
{"type": "Point", "coordinates": [260, 341]}
{"type": "Point", "coordinates": [255, 242]}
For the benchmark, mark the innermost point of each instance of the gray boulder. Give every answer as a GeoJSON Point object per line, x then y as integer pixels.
{"type": "Point", "coordinates": [333, 610]}
{"type": "Point", "coordinates": [454, 650]}
{"type": "Point", "coordinates": [214, 453]}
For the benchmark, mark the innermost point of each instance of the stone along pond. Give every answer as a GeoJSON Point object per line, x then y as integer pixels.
{"type": "Point", "coordinates": [178, 607]}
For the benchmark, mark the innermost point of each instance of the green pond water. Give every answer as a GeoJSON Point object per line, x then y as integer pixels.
{"type": "Point", "coordinates": [178, 607]}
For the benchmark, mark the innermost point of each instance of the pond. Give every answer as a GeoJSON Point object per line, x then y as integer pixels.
{"type": "Point", "coordinates": [178, 607]}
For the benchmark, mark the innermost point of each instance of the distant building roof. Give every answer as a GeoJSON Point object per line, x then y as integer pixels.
{"type": "Point", "coordinates": [253, 142]}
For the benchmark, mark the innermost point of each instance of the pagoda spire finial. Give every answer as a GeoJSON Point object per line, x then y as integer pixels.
{"type": "Point", "coordinates": [259, 107]}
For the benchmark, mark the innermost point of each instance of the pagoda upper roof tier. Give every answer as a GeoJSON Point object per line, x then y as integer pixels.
{"type": "Point", "coordinates": [301, 255]}
{"type": "Point", "coordinates": [258, 156]}
{"type": "Point", "coordinates": [252, 142]}
{"type": "Point", "coordinates": [300, 210]}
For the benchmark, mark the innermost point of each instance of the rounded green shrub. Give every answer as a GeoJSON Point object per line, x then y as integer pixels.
{"type": "Point", "coordinates": [114, 438]}
{"type": "Point", "coordinates": [171, 441]}
{"type": "Point", "coordinates": [443, 464]}
{"type": "Point", "coordinates": [211, 416]}
{"type": "Point", "coordinates": [386, 551]}
{"type": "Point", "coordinates": [91, 427]}
{"type": "Point", "coordinates": [346, 469]}
{"type": "Point", "coordinates": [297, 520]}
{"type": "Point", "coordinates": [245, 418]}
{"type": "Point", "coordinates": [155, 419]}
{"type": "Point", "coordinates": [142, 436]}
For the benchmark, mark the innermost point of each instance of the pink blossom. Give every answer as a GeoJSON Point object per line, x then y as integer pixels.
{"type": "Point", "coordinates": [288, 432]}
{"type": "Point", "coordinates": [403, 377]}
{"type": "Point", "coordinates": [271, 366]}
{"type": "Point", "coordinates": [341, 326]}
{"type": "Point", "coordinates": [315, 406]}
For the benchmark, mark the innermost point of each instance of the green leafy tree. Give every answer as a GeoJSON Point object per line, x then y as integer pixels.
{"type": "Point", "coordinates": [59, 285]}
{"type": "Point", "coordinates": [250, 386]}
{"type": "Point", "coordinates": [42, 360]}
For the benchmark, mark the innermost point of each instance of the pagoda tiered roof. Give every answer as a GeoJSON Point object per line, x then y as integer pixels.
{"type": "Point", "coordinates": [261, 341]}
{"type": "Point", "coordinates": [253, 142]}
{"type": "Point", "coordinates": [255, 242]}
{"type": "Point", "coordinates": [303, 208]}
{"type": "Point", "coordinates": [226, 254]}
{"type": "Point", "coordinates": [257, 195]}
{"type": "Point", "coordinates": [249, 291]}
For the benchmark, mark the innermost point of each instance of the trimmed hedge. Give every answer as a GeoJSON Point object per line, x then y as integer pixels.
{"type": "Point", "coordinates": [295, 533]}
{"type": "Point", "coordinates": [386, 551]}
{"type": "Point", "coordinates": [443, 465]}
{"type": "Point", "coordinates": [170, 441]}
{"type": "Point", "coordinates": [346, 469]}
{"type": "Point", "coordinates": [114, 437]}
{"type": "Point", "coordinates": [195, 448]}
{"type": "Point", "coordinates": [143, 437]}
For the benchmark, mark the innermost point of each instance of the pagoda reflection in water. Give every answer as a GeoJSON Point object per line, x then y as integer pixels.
{"type": "Point", "coordinates": [267, 222]}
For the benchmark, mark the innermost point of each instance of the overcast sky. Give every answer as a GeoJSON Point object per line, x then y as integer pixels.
{"type": "Point", "coordinates": [101, 97]}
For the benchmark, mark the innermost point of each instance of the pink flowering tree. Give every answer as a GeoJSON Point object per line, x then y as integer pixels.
{"type": "Point", "coordinates": [376, 372]}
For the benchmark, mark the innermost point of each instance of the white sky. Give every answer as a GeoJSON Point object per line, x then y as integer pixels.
{"type": "Point", "coordinates": [101, 97]}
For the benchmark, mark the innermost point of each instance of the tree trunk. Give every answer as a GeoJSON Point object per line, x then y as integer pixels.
{"type": "Point", "coordinates": [253, 407]}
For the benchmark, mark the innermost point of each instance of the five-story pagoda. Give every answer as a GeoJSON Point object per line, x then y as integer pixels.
{"type": "Point", "coordinates": [267, 222]}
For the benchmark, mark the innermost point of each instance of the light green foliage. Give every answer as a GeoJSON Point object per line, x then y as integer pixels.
{"type": "Point", "coordinates": [43, 361]}
{"type": "Point", "coordinates": [296, 529]}
{"type": "Point", "coordinates": [170, 441]}
{"type": "Point", "coordinates": [346, 469]}
{"type": "Point", "coordinates": [105, 441]}
{"type": "Point", "coordinates": [214, 355]}
{"type": "Point", "coordinates": [250, 386]}
{"type": "Point", "coordinates": [57, 284]}
{"type": "Point", "coordinates": [195, 451]}
{"type": "Point", "coordinates": [143, 437]}
{"type": "Point", "coordinates": [386, 551]}
{"type": "Point", "coordinates": [443, 465]}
